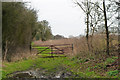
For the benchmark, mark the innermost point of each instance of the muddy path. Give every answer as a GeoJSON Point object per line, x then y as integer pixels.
{"type": "Point", "coordinates": [42, 73]}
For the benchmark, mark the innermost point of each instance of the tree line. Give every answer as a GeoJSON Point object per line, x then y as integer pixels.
{"type": "Point", "coordinates": [20, 28]}
{"type": "Point", "coordinates": [100, 17]}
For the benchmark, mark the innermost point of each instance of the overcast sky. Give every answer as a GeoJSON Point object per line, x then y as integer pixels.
{"type": "Point", "coordinates": [64, 16]}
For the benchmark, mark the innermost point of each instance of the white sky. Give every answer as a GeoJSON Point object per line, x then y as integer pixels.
{"type": "Point", "coordinates": [64, 16]}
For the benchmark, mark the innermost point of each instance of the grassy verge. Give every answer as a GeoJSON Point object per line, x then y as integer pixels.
{"type": "Point", "coordinates": [86, 67]}
{"type": "Point", "coordinates": [82, 67]}
{"type": "Point", "coordinates": [46, 63]}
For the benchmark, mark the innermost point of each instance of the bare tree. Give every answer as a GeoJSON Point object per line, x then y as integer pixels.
{"type": "Point", "coordinates": [86, 7]}
{"type": "Point", "coordinates": [107, 8]}
{"type": "Point", "coordinates": [106, 27]}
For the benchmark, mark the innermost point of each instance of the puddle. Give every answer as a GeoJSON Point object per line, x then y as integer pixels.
{"type": "Point", "coordinates": [40, 73]}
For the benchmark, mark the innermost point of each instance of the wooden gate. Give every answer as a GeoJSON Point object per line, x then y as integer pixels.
{"type": "Point", "coordinates": [54, 49]}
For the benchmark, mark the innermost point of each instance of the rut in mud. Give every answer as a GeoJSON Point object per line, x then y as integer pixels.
{"type": "Point", "coordinates": [42, 73]}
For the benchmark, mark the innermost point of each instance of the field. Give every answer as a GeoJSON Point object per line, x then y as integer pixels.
{"type": "Point", "coordinates": [30, 49]}
{"type": "Point", "coordinates": [78, 65]}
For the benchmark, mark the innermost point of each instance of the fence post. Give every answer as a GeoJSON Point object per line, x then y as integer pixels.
{"type": "Point", "coordinates": [51, 50]}
{"type": "Point", "coordinates": [72, 48]}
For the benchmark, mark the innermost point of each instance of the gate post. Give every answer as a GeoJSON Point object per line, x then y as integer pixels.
{"type": "Point", "coordinates": [72, 48]}
{"type": "Point", "coordinates": [51, 50]}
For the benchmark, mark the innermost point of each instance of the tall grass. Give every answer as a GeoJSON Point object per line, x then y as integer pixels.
{"type": "Point", "coordinates": [97, 46]}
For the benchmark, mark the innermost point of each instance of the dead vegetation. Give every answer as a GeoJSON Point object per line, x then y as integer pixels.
{"type": "Point", "coordinates": [97, 44]}
{"type": "Point", "coordinates": [97, 47]}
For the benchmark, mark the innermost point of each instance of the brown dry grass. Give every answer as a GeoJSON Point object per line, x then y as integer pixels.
{"type": "Point", "coordinates": [97, 44]}
{"type": "Point", "coordinates": [22, 56]}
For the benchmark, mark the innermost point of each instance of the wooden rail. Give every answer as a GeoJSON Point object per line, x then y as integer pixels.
{"type": "Point", "coordinates": [55, 49]}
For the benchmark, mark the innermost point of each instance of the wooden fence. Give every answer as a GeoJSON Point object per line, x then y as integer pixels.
{"type": "Point", "coordinates": [54, 49]}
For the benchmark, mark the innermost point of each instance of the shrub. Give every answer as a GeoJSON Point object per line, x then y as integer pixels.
{"type": "Point", "coordinates": [113, 73]}
{"type": "Point", "coordinates": [109, 60]}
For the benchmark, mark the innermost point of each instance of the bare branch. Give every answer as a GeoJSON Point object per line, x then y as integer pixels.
{"type": "Point", "coordinates": [97, 6]}
{"type": "Point", "coordinates": [81, 7]}
{"type": "Point", "coordinates": [111, 23]}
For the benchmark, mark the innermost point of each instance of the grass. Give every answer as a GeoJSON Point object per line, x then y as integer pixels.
{"type": "Point", "coordinates": [113, 73]}
{"type": "Point", "coordinates": [110, 60]}
{"type": "Point", "coordinates": [77, 66]}
{"type": "Point", "coordinates": [83, 66]}
{"type": "Point", "coordinates": [46, 63]}
{"type": "Point", "coordinates": [50, 64]}
{"type": "Point", "coordinates": [16, 66]}
{"type": "Point", "coordinates": [40, 49]}
{"type": "Point", "coordinates": [47, 52]}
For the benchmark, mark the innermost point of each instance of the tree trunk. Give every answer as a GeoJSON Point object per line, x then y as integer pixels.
{"type": "Point", "coordinates": [87, 35]}
{"type": "Point", "coordinates": [106, 27]}
{"type": "Point", "coordinates": [6, 50]}
{"type": "Point", "coordinates": [119, 34]}
{"type": "Point", "coordinates": [92, 49]}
